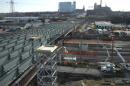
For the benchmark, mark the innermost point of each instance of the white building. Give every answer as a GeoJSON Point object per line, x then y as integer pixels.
{"type": "Point", "coordinates": [103, 25]}
{"type": "Point", "coordinates": [67, 6]}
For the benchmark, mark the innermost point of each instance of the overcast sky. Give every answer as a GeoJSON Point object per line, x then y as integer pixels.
{"type": "Point", "coordinates": [52, 5]}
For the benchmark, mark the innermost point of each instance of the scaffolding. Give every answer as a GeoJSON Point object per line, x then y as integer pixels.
{"type": "Point", "coordinates": [47, 65]}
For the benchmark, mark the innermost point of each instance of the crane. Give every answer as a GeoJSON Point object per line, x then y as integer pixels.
{"type": "Point", "coordinates": [122, 58]}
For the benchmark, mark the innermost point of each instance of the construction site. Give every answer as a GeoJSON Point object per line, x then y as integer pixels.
{"type": "Point", "coordinates": [67, 53]}
{"type": "Point", "coordinates": [93, 57]}
{"type": "Point", "coordinates": [63, 49]}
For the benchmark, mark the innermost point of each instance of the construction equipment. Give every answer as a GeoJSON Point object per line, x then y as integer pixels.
{"type": "Point", "coordinates": [125, 64]}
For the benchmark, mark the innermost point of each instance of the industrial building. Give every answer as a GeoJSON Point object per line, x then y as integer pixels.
{"type": "Point", "coordinates": [99, 10]}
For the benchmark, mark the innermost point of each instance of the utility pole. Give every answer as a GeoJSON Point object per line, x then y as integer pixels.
{"type": "Point", "coordinates": [12, 8]}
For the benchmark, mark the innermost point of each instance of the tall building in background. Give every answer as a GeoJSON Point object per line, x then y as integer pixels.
{"type": "Point", "coordinates": [67, 6]}
{"type": "Point", "coordinates": [99, 10]}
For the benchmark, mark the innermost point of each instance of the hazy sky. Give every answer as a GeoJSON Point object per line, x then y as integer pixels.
{"type": "Point", "coordinates": [52, 5]}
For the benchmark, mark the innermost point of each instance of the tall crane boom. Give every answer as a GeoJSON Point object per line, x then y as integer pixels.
{"type": "Point", "coordinates": [121, 57]}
